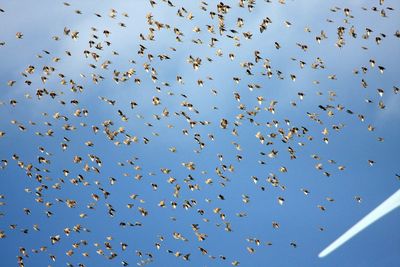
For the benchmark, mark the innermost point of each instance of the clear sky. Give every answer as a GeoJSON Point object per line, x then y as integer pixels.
{"type": "Point", "coordinates": [300, 218]}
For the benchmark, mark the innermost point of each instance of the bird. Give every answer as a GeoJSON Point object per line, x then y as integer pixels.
{"type": "Point", "coordinates": [181, 124]}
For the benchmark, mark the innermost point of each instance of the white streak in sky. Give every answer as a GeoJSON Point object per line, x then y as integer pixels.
{"type": "Point", "coordinates": [387, 206]}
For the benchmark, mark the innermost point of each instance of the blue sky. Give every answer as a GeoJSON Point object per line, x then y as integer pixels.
{"type": "Point", "coordinates": [299, 217]}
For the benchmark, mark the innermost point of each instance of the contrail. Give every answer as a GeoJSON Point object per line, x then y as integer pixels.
{"type": "Point", "coordinates": [387, 206]}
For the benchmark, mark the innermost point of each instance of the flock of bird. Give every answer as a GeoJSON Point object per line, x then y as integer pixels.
{"type": "Point", "coordinates": [203, 123]}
